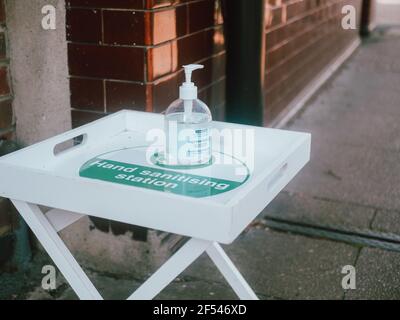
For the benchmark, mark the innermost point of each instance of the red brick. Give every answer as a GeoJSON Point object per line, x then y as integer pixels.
{"type": "Point", "coordinates": [273, 16]}
{"type": "Point", "coordinates": [2, 12]}
{"type": "Point", "coordinates": [121, 63]}
{"type": "Point", "coordinates": [131, 83]}
{"type": "Point", "coordinates": [87, 94]}
{"type": "Point", "coordinates": [160, 61]}
{"type": "Point", "coordinates": [153, 4]}
{"type": "Point", "coordinates": [214, 70]}
{"type": "Point", "coordinates": [295, 9]}
{"type": "Point", "coordinates": [218, 40]}
{"type": "Point", "coordinates": [218, 16]}
{"type": "Point", "coordinates": [84, 25]}
{"type": "Point", "coordinates": [124, 27]}
{"type": "Point", "coordinates": [165, 91]}
{"type": "Point", "coordinates": [201, 15]}
{"type": "Point", "coordinates": [3, 50]}
{"type": "Point", "coordinates": [311, 4]}
{"type": "Point", "coordinates": [117, 4]}
{"type": "Point", "coordinates": [214, 96]}
{"type": "Point", "coordinates": [273, 77]}
{"type": "Point", "coordinates": [276, 36]}
{"type": "Point", "coordinates": [169, 24]}
{"type": "Point", "coordinates": [6, 114]}
{"type": "Point", "coordinates": [195, 47]}
{"type": "Point", "coordinates": [125, 95]}
{"type": "Point", "coordinates": [274, 2]}
{"type": "Point", "coordinates": [4, 86]}
{"type": "Point", "coordinates": [270, 39]}
{"type": "Point", "coordinates": [80, 118]}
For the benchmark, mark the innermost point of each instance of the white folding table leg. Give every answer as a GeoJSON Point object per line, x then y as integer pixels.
{"type": "Point", "coordinates": [171, 269]}
{"type": "Point", "coordinates": [231, 274]}
{"type": "Point", "coordinates": [57, 250]}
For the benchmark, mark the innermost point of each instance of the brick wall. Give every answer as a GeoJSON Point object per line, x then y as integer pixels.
{"type": "Point", "coordinates": [302, 37]}
{"type": "Point", "coordinates": [6, 133]}
{"type": "Point", "coordinates": [6, 113]}
{"type": "Point", "coordinates": [128, 54]}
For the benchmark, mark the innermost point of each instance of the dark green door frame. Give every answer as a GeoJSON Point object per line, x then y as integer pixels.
{"type": "Point", "coordinates": [244, 32]}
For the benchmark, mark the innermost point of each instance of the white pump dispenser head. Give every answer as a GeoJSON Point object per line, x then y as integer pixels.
{"type": "Point", "coordinates": [188, 91]}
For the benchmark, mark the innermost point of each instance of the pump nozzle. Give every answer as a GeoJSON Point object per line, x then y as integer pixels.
{"type": "Point", "coordinates": [188, 91]}
{"type": "Point", "coordinates": [189, 69]}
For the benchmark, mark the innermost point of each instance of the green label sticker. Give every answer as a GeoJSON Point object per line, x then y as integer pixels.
{"type": "Point", "coordinates": [154, 178]}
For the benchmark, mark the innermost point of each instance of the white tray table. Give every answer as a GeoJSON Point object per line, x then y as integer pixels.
{"type": "Point", "coordinates": [67, 182]}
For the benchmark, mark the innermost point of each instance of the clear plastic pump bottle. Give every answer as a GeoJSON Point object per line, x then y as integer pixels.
{"type": "Point", "coordinates": [187, 125]}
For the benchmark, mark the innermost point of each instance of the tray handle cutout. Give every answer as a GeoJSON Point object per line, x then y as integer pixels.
{"type": "Point", "coordinates": [277, 176]}
{"type": "Point", "coordinates": [69, 144]}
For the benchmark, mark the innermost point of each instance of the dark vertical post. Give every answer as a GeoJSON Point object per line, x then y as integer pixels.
{"type": "Point", "coordinates": [367, 17]}
{"type": "Point", "coordinates": [243, 24]}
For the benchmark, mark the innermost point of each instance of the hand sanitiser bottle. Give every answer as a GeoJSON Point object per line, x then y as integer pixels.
{"type": "Point", "coordinates": [187, 122]}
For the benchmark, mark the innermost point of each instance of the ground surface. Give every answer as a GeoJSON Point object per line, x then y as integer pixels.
{"type": "Point", "coordinates": [343, 209]}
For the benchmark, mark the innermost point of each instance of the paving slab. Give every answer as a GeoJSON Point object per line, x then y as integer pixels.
{"type": "Point", "coordinates": [110, 288]}
{"type": "Point", "coordinates": [284, 266]}
{"type": "Point", "coordinates": [353, 91]}
{"type": "Point", "coordinates": [372, 129]}
{"type": "Point", "coordinates": [352, 174]}
{"type": "Point", "coordinates": [367, 83]}
{"type": "Point", "coordinates": [15, 285]}
{"type": "Point", "coordinates": [375, 56]}
{"type": "Point", "coordinates": [197, 290]}
{"type": "Point", "coordinates": [299, 207]}
{"type": "Point", "coordinates": [377, 275]}
{"type": "Point", "coordinates": [387, 221]}
{"type": "Point", "coordinates": [116, 287]}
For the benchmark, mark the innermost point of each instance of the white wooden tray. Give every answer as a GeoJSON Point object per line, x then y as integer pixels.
{"type": "Point", "coordinates": [65, 181]}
